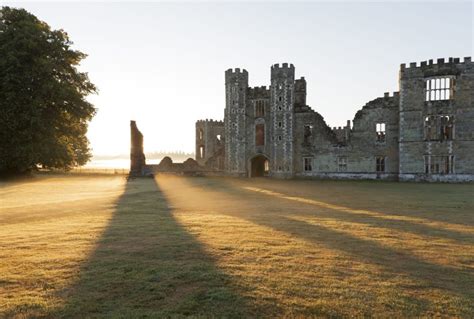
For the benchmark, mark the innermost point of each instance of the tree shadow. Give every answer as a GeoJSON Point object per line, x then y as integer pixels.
{"type": "Point", "coordinates": [399, 198]}
{"type": "Point", "coordinates": [356, 215]}
{"type": "Point", "coordinates": [147, 264]}
{"type": "Point", "coordinates": [395, 262]}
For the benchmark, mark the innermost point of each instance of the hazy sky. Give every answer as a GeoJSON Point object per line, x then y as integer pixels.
{"type": "Point", "coordinates": [162, 64]}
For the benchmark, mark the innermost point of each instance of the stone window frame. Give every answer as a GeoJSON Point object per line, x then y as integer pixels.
{"type": "Point", "coordinates": [260, 142]}
{"type": "Point", "coordinates": [439, 88]}
{"type": "Point", "coordinates": [381, 132]}
{"type": "Point", "coordinates": [202, 153]}
{"type": "Point", "coordinates": [308, 130]}
{"type": "Point", "coordinates": [308, 163]}
{"type": "Point", "coordinates": [439, 127]}
{"type": "Point", "coordinates": [342, 163]}
{"type": "Point", "coordinates": [439, 164]}
{"type": "Point", "coordinates": [380, 164]}
{"type": "Point", "coordinates": [259, 108]}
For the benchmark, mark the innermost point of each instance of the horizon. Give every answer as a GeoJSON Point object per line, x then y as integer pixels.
{"type": "Point", "coordinates": [165, 60]}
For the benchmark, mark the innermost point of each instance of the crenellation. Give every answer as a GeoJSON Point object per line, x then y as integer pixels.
{"type": "Point", "coordinates": [283, 66]}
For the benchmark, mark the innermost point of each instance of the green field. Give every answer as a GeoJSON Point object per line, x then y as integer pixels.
{"type": "Point", "coordinates": [78, 246]}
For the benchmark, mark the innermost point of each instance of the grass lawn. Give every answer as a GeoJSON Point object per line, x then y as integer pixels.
{"type": "Point", "coordinates": [78, 246]}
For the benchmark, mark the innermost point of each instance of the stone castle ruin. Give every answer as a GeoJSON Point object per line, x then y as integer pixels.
{"type": "Point", "coordinates": [424, 132]}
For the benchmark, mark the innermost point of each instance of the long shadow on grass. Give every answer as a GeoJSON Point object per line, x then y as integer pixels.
{"type": "Point", "coordinates": [147, 264]}
{"type": "Point", "coordinates": [394, 261]}
{"type": "Point", "coordinates": [448, 203]}
{"type": "Point", "coordinates": [357, 217]}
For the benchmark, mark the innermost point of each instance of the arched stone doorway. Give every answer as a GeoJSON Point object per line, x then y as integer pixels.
{"type": "Point", "coordinates": [259, 166]}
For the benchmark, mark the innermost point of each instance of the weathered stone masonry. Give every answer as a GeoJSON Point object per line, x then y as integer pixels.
{"type": "Point", "coordinates": [137, 157]}
{"type": "Point", "coordinates": [423, 132]}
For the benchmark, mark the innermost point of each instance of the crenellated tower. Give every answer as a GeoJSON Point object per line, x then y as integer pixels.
{"type": "Point", "coordinates": [236, 84]}
{"type": "Point", "coordinates": [436, 100]}
{"type": "Point", "coordinates": [282, 100]}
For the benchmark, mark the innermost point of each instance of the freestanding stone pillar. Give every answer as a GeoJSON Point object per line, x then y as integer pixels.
{"type": "Point", "coordinates": [137, 157]}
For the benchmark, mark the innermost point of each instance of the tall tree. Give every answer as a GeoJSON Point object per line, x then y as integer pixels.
{"type": "Point", "coordinates": [44, 113]}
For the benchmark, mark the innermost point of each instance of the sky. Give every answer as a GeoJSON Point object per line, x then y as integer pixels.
{"type": "Point", "coordinates": [162, 63]}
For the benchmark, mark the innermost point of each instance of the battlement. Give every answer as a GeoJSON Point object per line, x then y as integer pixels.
{"type": "Point", "coordinates": [339, 129]}
{"type": "Point", "coordinates": [432, 67]}
{"type": "Point", "coordinates": [236, 71]}
{"type": "Point", "coordinates": [209, 121]}
{"type": "Point", "coordinates": [283, 66]}
{"type": "Point", "coordinates": [387, 95]}
{"type": "Point", "coordinates": [259, 92]}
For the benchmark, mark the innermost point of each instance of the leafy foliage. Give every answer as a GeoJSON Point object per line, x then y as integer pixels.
{"type": "Point", "coordinates": [44, 113]}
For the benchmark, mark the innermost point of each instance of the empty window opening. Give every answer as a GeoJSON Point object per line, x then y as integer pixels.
{"type": "Point", "coordinates": [446, 128]}
{"type": "Point", "coordinates": [380, 131]}
{"type": "Point", "coordinates": [308, 164]}
{"type": "Point", "coordinates": [307, 133]}
{"type": "Point", "coordinates": [280, 86]}
{"type": "Point", "coordinates": [259, 109]}
{"type": "Point", "coordinates": [260, 134]}
{"type": "Point", "coordinates": [279, 137]}
{"type": "Point", "coordinates": [201, 151]}
{"type": "Point", "coordinates": [280, 124]}
{"type": "Point", "coordinates": [380, 164]}
{"type": "Point", "coordinates": [219, 137]}
{"type": "Point", "coordinates": [439, 128]}
{"type": "Point", "coordinates": [342, 163]}
{"type": "Point", "coordinates": [279, 108]}
{"type": "Point", "coordinates": [439, 164]}
{"type": "Point", "coordinates": [279, 98]}
{"type": "Point", "coordinates": [438, 89]}
{"type": "Point", "coordinates": [201, 134]}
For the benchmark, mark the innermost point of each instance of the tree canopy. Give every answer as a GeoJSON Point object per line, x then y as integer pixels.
{"type": "Point", "coordinates": [44, 113]}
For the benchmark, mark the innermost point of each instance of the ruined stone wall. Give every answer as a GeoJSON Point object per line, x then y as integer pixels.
{"type": "Point", "coordinates": [210, 141]}
{"type": "Point", "coordinates": [365, 143]}
{"type": "Point", "coordinates": [137, 157]}
{"type": "Point", "coordinates": [316, 143]}
{"type": "Point", "coordinates": [418, 148]}
{"type": "Point", "coordinates": [347, 152]}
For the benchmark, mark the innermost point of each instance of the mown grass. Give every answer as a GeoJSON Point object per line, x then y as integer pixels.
{"type": "Point", "coordinates": [214, 247]}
